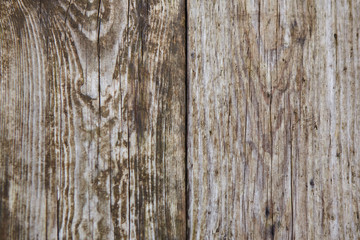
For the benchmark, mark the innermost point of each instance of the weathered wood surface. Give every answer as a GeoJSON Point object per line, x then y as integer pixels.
{"type": "Point", "coordinates": [94, 122]}
{"type": "Point", "coordinates": [92, 114]}
{"type": "Point", "coordinates": [274, 119]}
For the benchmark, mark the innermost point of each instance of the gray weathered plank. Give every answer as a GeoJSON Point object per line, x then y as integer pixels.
{"type": "Point", "coordinates": [273, 119]}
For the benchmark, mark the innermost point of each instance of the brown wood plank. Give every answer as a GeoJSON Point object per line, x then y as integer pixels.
{"type": "Point", "coordinates": [92, 119]}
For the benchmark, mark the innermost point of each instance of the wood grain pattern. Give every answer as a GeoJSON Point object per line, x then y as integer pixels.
{"type": "Point", "coordinates": [154, 119]}
{"type": "Point", "coordinates": [273, 119]}
{"type": "Point", "coordinates": [92, 119]}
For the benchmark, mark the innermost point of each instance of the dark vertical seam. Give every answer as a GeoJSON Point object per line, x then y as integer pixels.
{"type": "Point", "coordinates": [129, 192]}
{"type": "Point", "coordinates": [57, 215]}
{"type": "Point", "coordinates": [21, 103]}
{"type": "Point", "coordinates": [335, 84]}
{"type": "Point", "coordinates": [187, 196]}
{"type": "Point", "coordinates": [291, 169]}
{"type": "Point", "coordinates": [110, 173]}
{"type": "Point", "coordinates": [99, 80]}
{"type": "Point", "coordinates": [257, 112]}
{"type": "Point", "coordinates": [2, 130]}
{"type": "Point", "coordinates": [271, 129]}
{"type": "Point", "coordinates": [99, 88]}
{"type": "Point", "coordinates": [259, 78]}
{"type": "Point", "coordinates": [27, 36]}
{"type": "Point", "coordinates": [245, 149]}
{"type": "Point", "coordinates": [128, 132]}
{"type": "Point", "coordinates": [47, 140]}
{"type": "Point", "coordinates": [291, 180]}
{"type": "Point", "coordinates": [248, 93]}
{"type": "Point", "coordinates": [300, 130]}
{"type": "Point", "coordinates": [58, 190]}
{"type": "Point", "coordinates": [137, 192]}
{"type": "Point", "coordinates": [110, 177]}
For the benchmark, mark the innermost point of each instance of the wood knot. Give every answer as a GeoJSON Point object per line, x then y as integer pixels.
{"type": "Point", "coordinates": [267, 212]}
{"type": "Point", "coordinates": [312, 184]}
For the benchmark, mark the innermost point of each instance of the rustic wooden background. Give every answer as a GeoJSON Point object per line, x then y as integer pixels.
{"type": "Point", "coordinates": [179, 119]}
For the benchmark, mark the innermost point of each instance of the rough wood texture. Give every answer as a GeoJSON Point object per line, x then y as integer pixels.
{"type": "Point", "coordinates": [94, 122]}
{"type": "Point", "coordinates": [274, 119]}
{"type": "Point", "coordinates": [92, 114]}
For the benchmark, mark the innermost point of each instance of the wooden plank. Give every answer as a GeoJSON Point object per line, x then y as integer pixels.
{"type": "Point", "coordinates": [273, 119]}
{"type": "Point", "coordinates": [218, 124]}
{"type": "Point", "coordinates": [92, 119]}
